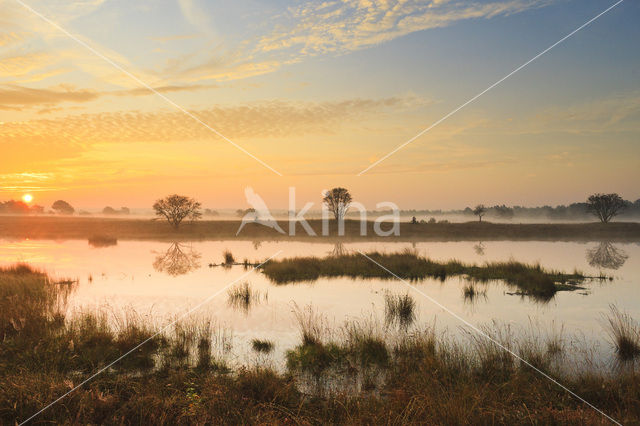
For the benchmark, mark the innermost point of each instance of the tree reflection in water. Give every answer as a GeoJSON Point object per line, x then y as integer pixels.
{"type": "Point", "coordinates": [338, 249]}
{"type": "Point", "coordinates": [607, 256]}
{"type": "Point", "coordinates": [479, 248]}
{"type": "Point", "coordinates": [179, 259]}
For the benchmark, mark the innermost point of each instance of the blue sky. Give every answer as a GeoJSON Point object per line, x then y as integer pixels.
{"type": "Point", "coordinates": [319, 91]}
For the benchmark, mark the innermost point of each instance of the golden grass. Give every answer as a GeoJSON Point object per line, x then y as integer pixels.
{"type": "Point", "coordinates": [412, 378]}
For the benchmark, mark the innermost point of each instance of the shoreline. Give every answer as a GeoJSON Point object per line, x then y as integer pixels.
{"type": "Point", "coordinates": [81, 228]}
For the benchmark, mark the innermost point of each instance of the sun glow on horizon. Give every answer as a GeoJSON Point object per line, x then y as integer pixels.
{"type": "Point", "coordinates": [27, 198]}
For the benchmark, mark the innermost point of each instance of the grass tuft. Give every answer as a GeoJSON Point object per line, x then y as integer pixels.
{"type": "Point", "coordinates": [262, 346]}
{"type": "Point", "coordinates": [399, 309]}
{"type": "Point", "coordinates": [624, 333]}
{"type": "Point", "coordinates": [243, 296]}
{"type": "Point", "coordinates": [228, 258]}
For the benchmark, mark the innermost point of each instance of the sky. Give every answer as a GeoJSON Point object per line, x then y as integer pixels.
{"type": "Point", "coordinates": [278, 94]}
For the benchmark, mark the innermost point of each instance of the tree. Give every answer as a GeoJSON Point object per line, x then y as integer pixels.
{"type": "Point", "coordinates": [62, 207]}
{"type": "Point", "coordinates": [605, 206]}
{"type": "Point", "coordinates": [479, 211]}
{"type": "Point", "coordinates": [175, 208]}
{"type": "Point", "coordinates": [111, 211]}
{"type": "Point", "coordinates": [337, 201]}
{"type": "Point", "coordinates": [243, 212]}
{"type": "Point", "coordinates": [14, 207]}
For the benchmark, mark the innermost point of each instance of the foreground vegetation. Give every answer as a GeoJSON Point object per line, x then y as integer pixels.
{"type": "Point", "coordinates": [48, 227]}
{"type": "Point", "coordinates": [532, 280]}
{"type": "Point", "coordinates": [361, 373]}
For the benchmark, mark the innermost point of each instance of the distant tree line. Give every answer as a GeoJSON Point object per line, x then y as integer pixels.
{"type": "Point", "coordinates": [571, 211]}
{"type": "Point", "coordinates": [111, 211]}
{"type": "Point", "coordinates": [19, 207]}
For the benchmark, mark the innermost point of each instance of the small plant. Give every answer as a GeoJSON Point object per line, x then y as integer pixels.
{"type": "Point", "coordinates": [399, 309]}
{"type": "Point", "coordinates": [228, 258]}
{"type": "Point", "coordinates": [311, 325]}
{"type": "Point", "coordinates": [471, 293]}
{"type": "Point", "coordinates": [624, 333]}
{"type": "Point", "coordinates": [102, 241]}
{"type": "Point", "coordinates": [242, 296]}
{"type": "Point", "coordinates": [262, 346]}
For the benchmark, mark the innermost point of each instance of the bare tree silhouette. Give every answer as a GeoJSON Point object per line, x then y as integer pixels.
{"type": "Point", "coordinates": [479, 248]}
{"type": "Point", "coordinates": [606, 255]}
{"type": "Point", "coordinates": [179, 259]}
{"type": "Point", "coordinates": [479, 211]}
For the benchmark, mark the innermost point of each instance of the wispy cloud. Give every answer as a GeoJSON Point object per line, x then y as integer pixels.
{"type": "Point", "coordinates": [344, 26]}
{"type": "Point", "coordinates": [9, 38]}
{"type": "Point", "coordinates": [14, 97]}
{"type": "Point", "coordinates": [17, 97]}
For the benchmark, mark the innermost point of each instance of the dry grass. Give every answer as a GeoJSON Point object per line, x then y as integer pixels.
{"type": "Point", "coordinates": [624, 332]}
{"type": "Point", "coordinates": [419, 378]}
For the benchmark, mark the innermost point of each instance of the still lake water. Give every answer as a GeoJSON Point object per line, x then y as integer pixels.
{"type": "Point", "coordinates": [162, 281]}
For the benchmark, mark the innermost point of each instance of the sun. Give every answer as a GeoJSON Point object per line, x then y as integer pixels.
{"type": "Point", "coordinates": [27, 198]}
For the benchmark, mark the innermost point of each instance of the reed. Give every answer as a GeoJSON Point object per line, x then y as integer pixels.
{"type": "Point", "coordinates": [624, 333]}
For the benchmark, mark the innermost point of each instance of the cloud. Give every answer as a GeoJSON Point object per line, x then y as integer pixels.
{"type": "Point", "coordinates": [143, 91]}
{"type": "Point", "coordinates": [269, 119]}
{"type": "Point", "coordinates": [343, 26]}
{"type": "Point", "coordinates": [9, 38]}
{"type": "Point", "coordinates": [196, 16]}
{"type": "Point", "coordinates": [17, 97]}
{"type": "Point", "coordinates": [611, 114]}
{"type": "Point", "coordinates": [14, 97]}
{"type": "Point", "coordinates": [614, 113]}
{"type": "Point", "coordinates": [20, 65]}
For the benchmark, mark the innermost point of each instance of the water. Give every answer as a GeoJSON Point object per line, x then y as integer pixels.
{"type": "Point", "coordinates": [165, 280]}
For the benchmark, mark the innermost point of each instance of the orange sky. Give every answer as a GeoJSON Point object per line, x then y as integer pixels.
{"type": "Point", "coordinates": [318, 92]}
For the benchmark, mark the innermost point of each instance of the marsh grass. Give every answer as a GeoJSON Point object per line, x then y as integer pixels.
{"type": "Point", "coordinates": [262, 346]}
{"type": "Point", "coordinates": [624, 333]}
{"type": "Point", "coordinates": [228, 258]}
{"type": "Point", "coordinates": [471, 293]}
{"type": "Point", "coordinates": [532, 280]}
{"type": "Point", "coordinates": [417, 377]}
{"type": "Point", "coordinates": [399, 309]}
{"type": "Point", "coordinates": [436, 379]}
{"type": "Point", "coordinates": [243, 296]}
{"type": "Point", "coordinates": [102, 240]}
